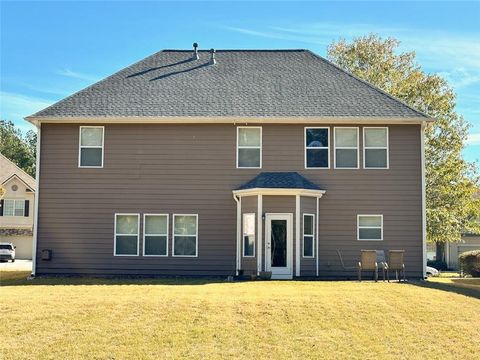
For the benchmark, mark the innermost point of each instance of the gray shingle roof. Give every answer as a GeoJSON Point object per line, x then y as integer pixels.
{"type": "Point", "coordinates": [243, 83]}
{"type": "Point", "coordinates": [279, 180]}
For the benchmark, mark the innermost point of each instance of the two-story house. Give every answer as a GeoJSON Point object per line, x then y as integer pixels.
{"type": "Point", "coordinates": [227, 162]}
{"type": "Point", "coordinates": [16, 207]}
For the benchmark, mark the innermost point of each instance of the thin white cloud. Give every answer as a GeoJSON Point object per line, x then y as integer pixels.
{"type": "Point", "coordinates": [76, 75]}
{"type": "Point", "coordinates": [473, 139]}
{"type": "Point", "coordinates": [48, 90]}
{"type": "Point", "coordinates": [272, 34]}
{"type": "Point", "coordinates": [15, 107]}
{"type": "Point", "coordinates": [438, 50]}
{"type": "Point", "coordinates": [461, 77]}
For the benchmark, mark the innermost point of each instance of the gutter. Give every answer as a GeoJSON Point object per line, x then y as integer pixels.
{"type": "Point", "coordinates": [36, 120]}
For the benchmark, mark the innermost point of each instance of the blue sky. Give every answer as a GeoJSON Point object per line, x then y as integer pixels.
{"type": "Point", "coordinates": [52, 49]}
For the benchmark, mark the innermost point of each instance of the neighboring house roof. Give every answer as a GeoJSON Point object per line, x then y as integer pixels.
{"type": "Point", "coordinates": [8, 170]}
{"type": "Point", "coordinates": [15, 176]}
{"type": "Point", "coordinates": [279, 180]}
{"type": "Point", "coordinates": [242, 83]}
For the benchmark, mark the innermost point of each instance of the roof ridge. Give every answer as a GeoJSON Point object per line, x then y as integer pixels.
{"type": "Point", "coordinates": [237, 50]}
{"type": "Point", "coordinates": [369, 84]}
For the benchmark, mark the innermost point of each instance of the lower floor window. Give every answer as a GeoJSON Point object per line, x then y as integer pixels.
{"type": "Point", "coordinates": [126, 234]}
{"type": "Point", "coordinates": [14, 207]}
{"type": "Point", "coordinates": [185, 234]}
{"type": "Point", "coordinates": [155, 235]}
{"type": "Point", "coordinates": [308, 235]}
{"type": "Point", "coordinates": [370, 227]}
{"type": "Point", "coordinates": [248, 235]}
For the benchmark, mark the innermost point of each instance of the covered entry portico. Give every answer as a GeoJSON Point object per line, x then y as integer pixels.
{"type": "Point", "coordinates": [277, 225]}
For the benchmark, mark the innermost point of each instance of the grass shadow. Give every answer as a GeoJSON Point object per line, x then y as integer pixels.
{"type": "Point", "coordinates": [458, 287]}
{"type": "Point", "coordinates": [19, 278]}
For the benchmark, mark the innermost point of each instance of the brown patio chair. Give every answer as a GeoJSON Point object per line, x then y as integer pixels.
{"type": "Point", "coordinates": [382, 262]}
{"type": "Point", "coordinates": [343, 264]}
{"type": "Point", "coordinates": [396, 263]}
{"type": "Point", "coordinates": [368, 262]}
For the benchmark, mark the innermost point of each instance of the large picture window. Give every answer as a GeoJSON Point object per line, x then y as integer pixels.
{"type": "Point", "coordinates": [127, 228]}
{"type": "Point", "coordinates": [317, 151]}
{"type": "Point", "coordinates": [249, 147]}
{"type": "Point", "coordinates": [155, 234]}
{"type": "Point", "coordinates": [370, 227]}
{"type": "Point", "coordinates": [346, 148]}
{"type": "Point", "coordinates": [248, 235]}
{"type": "Point", "coordinates": [375, 148]}
{"type": "Point", "coordinates": [185, 235]}
{"type": "Point", "coordinates": [91, 146]}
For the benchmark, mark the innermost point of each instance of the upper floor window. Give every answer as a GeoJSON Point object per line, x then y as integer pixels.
{"type": "Point", "coordinates": [127, 228]}
{"type": "Point", "coordinates": [317, 151]}
{"type": "Point", "coordinates": [91, 146]}
{"type": "Point", "coordinates": [14, 207]}
{"type": "Point", "coordinates": [370, 227]}
{"type": "Point", "coordinates": [249, 147]}
{"type": "Point", "coordinates": [249, 235]}
{"type": "Point", "coordinates": [346, 147]}
{"type": "Point", "coordinates": [375, 148]}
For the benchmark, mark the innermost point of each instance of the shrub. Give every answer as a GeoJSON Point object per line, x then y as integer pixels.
{"type": "Point", "coordinates": [470, 262]}
{"type": "Point", "coordinates": [439, 265]}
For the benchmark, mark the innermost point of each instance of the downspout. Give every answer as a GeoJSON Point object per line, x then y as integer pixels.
{"type": "Point", "coordinates": [317, 227]}
{"type": "Point", "coordinates": [36, 199]}
{"type": "Point", "coordinates": [239, 224]}
{"type": "Point", "coordinates": [424, 204]}
{"type": "Point", "coordinates": [297, 235]}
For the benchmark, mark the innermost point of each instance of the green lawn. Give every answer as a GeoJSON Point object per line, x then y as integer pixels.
{"type": "Point", "coordinates": [88, 318]}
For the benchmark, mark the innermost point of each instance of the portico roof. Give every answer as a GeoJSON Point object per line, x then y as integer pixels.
{"type": "Point", "coordinates": [280, 183]}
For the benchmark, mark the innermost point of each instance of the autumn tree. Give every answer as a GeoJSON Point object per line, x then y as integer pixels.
{"type": "Point", "coordinates": [451, 182]}
{"type": "Point", "coordinates": [19, 149]}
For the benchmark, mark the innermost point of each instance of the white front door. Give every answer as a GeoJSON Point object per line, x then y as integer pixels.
{"type": "Point", "coordinates": [279, 245]}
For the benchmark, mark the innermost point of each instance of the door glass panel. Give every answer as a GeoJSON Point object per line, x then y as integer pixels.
{"type": "Point", "coordinates": [279, 243]}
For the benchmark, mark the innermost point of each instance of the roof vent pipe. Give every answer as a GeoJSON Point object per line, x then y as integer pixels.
{"type": "Point", "coordinates": [195, 51]}
{"type": "Point", "coordinates": [212, 58]}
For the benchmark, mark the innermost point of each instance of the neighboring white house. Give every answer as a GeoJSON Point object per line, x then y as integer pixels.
{"type": "Point", "coordinates": [17, 207]}
{"type": "Point", "coordinates": [454, 250]}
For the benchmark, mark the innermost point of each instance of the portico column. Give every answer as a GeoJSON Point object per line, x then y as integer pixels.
{"type": "Point", "coordinates": [259, 233]}
{"type": "Point", "coordinates": [297, 235]}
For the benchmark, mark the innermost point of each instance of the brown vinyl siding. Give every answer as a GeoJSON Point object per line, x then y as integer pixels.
{"type": "Point", "coordinates": [190, 169]}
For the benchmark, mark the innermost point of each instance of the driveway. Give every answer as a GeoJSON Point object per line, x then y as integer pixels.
{"type": "Point", "coordinates": [18, 265]}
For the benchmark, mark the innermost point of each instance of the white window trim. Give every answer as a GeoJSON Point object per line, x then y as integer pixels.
{"type": "Point", "coordinates": [14, 207]}
{"type": "Point", "coordinates": [312, 236]}
{"type": "Point", "coordinates": [305, 147]}
{"type": "Point", "coordinates": [115, 234]}
{"type": "Point", "coordinates": [243, 235]}
{"type": "Point", "coordinates": [250, 147]}
{"type": "Point", "coordinates": [145, 234]}
{"type": "Point", "coordinates": [345, 147]}
{"type": "Point", "coordinates": [80, 146]}
{"type": "Point", "coordinates": [196, 236]}
{"type": "Point", "coordinates": [376, 147]}
{"type": "Point", "coordinates": [369, 227]}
